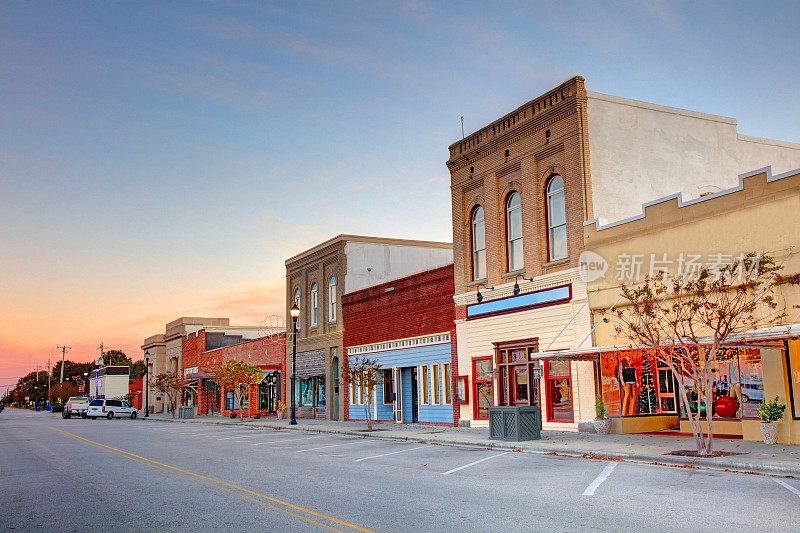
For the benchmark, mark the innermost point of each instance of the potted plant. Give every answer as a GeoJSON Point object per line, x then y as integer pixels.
{"type": "Point", "coordinates": [281, 408]}
{"type": "Point", "coordinates": [769, 413]}
{"type": "Point", "coordinates": [602, 424]}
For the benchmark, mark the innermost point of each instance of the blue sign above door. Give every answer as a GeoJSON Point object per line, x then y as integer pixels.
{"type": "Point", "coordinates": [541, 298]}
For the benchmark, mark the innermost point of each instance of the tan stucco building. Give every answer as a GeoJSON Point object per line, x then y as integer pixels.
{"type": "Point", "coordinates": [761, 215]}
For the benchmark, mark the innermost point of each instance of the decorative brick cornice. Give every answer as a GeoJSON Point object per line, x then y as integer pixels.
{"type": "Point", "coordinates": [526, 120]}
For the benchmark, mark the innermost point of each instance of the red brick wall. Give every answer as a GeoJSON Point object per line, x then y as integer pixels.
{"type": "Point", "coordinates": [135, 389]}
{"type": "Point", "coordinates": [265, 352]}
{"type": "Point", "coordinates": [420, 304]}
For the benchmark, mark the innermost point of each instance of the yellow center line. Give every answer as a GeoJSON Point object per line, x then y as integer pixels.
{"type": "Point", "coordinates": [211, 482]}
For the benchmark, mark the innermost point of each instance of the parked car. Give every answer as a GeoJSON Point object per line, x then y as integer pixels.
{"type": "Point", "coordinates": [111, 409]}
{"type": "Point", "coordinates": [752, 391]}
{"type": "Point", "coordinates": [77, 406]}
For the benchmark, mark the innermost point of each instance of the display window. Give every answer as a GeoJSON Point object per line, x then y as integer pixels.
{"type": "Point", "coordinates": [793, 369]}
{"type": "Point", "coordinates": [483, 387]}
{"type": "Point", "coordinates": [558, 390]}
{"type": "Point", "coordinates": [634, 383]}
{"type": "Point", "coordinates": [311, 391]}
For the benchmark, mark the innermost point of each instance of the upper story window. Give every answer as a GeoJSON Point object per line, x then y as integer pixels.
{"type": "Point", "coordinates": [478, 244]}
{"type": "Point", "coordinates": [297, 303]}
{"type": "Point", "coordinates": [514, 231]}
{"type": "Point", "coordinates": [556, 219]}
{"type": "Point", "coordinates": [332, 299]}
{"type": "Point", "coordinates": [313, 304]}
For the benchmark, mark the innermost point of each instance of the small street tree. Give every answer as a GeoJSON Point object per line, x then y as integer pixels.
{"type": "Point", "coordinates": [170, 385]}
{"type": "Point", "coordinates": [365, 374]}
{"type": "Point", "coordinates": [238, 376]}
{"type": "Point", "coordinates": [686, 322]}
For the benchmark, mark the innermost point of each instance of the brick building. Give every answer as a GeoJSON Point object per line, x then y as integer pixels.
{"type": "Point", "coordinates": [407, 326]}
{"type": "Point", "coordinates": [521, 189]}
{"type": "Point", "coordinates": [165, 349]}
{"type": "Point", "coordinates": [203, 352]}
{"type": "Point", "coordinates": [316, 279]}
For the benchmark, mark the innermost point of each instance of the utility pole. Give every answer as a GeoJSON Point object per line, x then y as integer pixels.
{"type": "Point", "coordinates": [102, 354]}
{"type": "Point", "coordinates": [48, 381]}
{"type": "Point", "coordinates": [63, 354]}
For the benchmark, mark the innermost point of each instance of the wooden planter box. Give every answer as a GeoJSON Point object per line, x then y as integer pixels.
{"type": "Point", "coordinates": [515, 423]}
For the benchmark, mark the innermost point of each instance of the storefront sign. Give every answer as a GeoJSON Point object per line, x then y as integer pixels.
{"type": "Point", "coordinates": [192, 370]}
{"type": "Point", "coordinates": [529, 300]}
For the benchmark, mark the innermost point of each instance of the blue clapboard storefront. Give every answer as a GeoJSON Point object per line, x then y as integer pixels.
{"type": "Point", "coordinates": [417, 377]}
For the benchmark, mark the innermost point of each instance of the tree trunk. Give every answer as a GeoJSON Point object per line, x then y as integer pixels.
{"type": "Point", "coordinates": [709, 397]}
{"type": "Point", "coordinates": [366, 415]}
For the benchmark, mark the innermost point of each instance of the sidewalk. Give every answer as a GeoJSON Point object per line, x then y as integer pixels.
{"type": "Point", "coordinates": [751, 457]}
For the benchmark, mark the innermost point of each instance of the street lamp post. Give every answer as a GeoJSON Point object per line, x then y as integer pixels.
{"type": "Point", "coordinates": [295, 313]}
{"type": "Point", "coordinates": [146, 383]}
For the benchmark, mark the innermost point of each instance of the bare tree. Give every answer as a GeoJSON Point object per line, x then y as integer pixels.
{"type": "Point", "coordinates": [365, 374]}
{"type": "Point", "coordinates": [686, 321]}
{"type": "Point", "coordinates": [170, 385]}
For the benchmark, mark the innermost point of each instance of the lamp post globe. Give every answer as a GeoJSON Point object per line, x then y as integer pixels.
{"type": "Point", "coordinates": [294, 312]}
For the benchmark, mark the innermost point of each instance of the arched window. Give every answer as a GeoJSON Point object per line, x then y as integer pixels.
{"type": "Point", "coordinates": [556, 219]}
{"type": "Point", "coordinates": [313, 304]}
{"type": "Point", "coordinates": [478, 244]}
{"type": "Point", "coordinates": [514, 231]}
{"type": "Point", "coordinates": [297, 303]}
{"type": "Point", "coordinates": [332, 299]}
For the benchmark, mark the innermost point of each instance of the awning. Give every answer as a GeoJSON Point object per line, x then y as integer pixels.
{"type": "Point", "coordinates": [755, 337]}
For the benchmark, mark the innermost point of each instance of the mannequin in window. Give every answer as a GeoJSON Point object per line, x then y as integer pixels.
{"type": "Point", "coordinates": [626, 374]}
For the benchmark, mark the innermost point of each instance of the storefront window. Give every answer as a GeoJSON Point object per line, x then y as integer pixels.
{"type": "Point", "coordinates": [559, 391]}
{"type": "Point", "coordinates": [320, 382]}
{"type": "Point", "coordinates": [307, 391]}
{"type": "Point", "coordinates": [793, 367]}
{"type": "Point", "coordinates": [634, 383]}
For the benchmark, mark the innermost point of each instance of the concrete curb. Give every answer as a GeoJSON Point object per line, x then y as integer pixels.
{"type": "Point", "coordinates": [720, 463]}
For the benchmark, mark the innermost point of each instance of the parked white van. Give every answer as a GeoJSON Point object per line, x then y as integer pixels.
{"type": "Point", "coordinates": [111, 409]}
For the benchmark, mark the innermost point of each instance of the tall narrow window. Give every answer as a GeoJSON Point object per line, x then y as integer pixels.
{"type": "Point", "coordinates": [332, 299]}
{"type": "Point", "coordinates": [447, 382]}
{"type": "Point", "coordinates": [556, 219]}
{"type": "Point", "coordinates": [435, 383]}
{"type": "Point", "coordinates": [423, 383]}
{"type": "Point", "coordinates": [297, 303]}
{"type": "Point", "coordinates": [514, 231]}
{"type": "Point", "coordinates": [478, 244]}
{"type": "Point", "coordinates": [313, 304]}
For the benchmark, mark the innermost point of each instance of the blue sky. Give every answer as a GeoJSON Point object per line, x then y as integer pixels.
{"type": "Point", "coordinates": [160, 159]}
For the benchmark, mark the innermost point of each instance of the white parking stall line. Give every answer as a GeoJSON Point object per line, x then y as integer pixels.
{"type": "Point", "coordinates": [286, 440]}
{"type": "Point", "coordinates": [599, 479]}
{"type": "Point", "coordinates": [787, 486]}
{"type": "Point", "coordinates": [473, 463]}
{"type": "Point", "coordinates": [391, 453]}
{"type": "Point", "coordinates": [330, 446]}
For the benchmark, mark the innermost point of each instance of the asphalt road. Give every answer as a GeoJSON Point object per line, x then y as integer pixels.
{"type": "Point", "coordinates": [125, 475]}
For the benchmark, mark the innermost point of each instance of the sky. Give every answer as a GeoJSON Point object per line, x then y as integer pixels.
{"type": "Point", "coordinates": [163, 159]}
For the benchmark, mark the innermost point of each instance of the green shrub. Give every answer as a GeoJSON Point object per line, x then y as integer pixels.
{"type": "Point", "coordinates": [771, 411]}
{"type": "Point", "coordinates": [600, 408]}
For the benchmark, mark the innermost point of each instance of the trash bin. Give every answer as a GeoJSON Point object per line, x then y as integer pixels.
{"type": "Point", "coordinates": [48, 408]}
{"type": "Point", "coordinates": [515, 423]}
{"type": "Point", "coordinates": [38, 408]}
